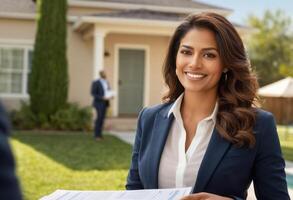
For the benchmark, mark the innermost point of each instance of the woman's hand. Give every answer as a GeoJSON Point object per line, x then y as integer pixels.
{"type": "Point", "coordinates": [205, 196]}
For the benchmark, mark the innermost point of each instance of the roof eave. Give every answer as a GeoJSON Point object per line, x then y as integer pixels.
{"type": "Point", "coordinates": [129, 21]}
{"type": "Point", "coordinates": [29, 16]}
{"type": "Point", "coordinates": [127, 6]}
{"type": "Point", "coordinates": [115, 20]}
{"type": "Point", "coordinates": [13, 15]}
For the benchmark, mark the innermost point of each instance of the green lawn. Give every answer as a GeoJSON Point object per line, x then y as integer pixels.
{"type": "Point", "coordinates": [50, 160]}
{"type": "Point", "coordinates": [286, 139]}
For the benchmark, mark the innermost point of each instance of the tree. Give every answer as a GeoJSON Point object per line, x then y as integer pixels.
{"type": "Point", "coordinates": [48, 83]}
{"type": "Point", "coordinates": [271, 46]}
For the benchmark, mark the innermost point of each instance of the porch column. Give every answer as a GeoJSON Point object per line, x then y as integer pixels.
{"type": "Point", "coordinates": [99, 37]}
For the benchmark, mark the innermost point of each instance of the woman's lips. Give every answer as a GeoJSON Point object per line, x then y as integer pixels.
{"type": "Point", "coordinates": [195, 76]}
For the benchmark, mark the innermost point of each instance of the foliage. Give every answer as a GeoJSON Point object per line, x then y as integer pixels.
{"type": "Point", "coordinates": [23, 118]}
{"type": "Point", "coordinates": [286, 139]}
{"type": "Point", "coordinates": [271, 46]}
{"type": "Point", "coordinates": [48, 82]}
{"type": "Point", "coordinates": [70, 117]}
{"type": "Point", "coordinates": [47, 161]}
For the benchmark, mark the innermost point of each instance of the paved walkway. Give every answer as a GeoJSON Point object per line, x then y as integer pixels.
{"type": "Point", "coordinates": [129, 137]}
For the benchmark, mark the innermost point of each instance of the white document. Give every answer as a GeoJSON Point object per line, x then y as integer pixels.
{"type": "Point", "coordinates": [159, 194]}
{"type": "Point", "coordinates": [109, 94]}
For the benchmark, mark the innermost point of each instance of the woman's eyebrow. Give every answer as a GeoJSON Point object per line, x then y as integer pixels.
{"type": "Point", "coordinates": [210, 48]}
{"type": "Point", "coordinates": [204, 49]}
{"type": "Point", "coordinates": [186, 46]}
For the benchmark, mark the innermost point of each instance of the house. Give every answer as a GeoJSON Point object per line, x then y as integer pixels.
{"type": "Point", "coordinates": [126, 38]}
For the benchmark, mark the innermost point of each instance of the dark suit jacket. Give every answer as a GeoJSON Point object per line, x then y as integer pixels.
{"type": "Point", "coordinates": [98, 93]}
{"type": "Point", "coordinates": [9, 188]}
{"type": "Point", "coordinates": [225, 170]}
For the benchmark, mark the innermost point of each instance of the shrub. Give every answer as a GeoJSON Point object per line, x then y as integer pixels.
{"type": "Point", "coordinates": [48, 82]}
{"type": "Point", "coordinates": [23, 118]}
{"type": "Point", "coordinates": [70, 117]}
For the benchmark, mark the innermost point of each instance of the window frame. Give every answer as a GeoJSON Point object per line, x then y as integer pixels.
{"type": "Point", "coordinates": [26, 46]}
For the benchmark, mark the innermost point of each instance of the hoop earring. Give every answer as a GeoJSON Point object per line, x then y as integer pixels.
{"type": "Point", "coordinates": [226, 76]}
{"type": "Point", "coordinates": [225, 72]}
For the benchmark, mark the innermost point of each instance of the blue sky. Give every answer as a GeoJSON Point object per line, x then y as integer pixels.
{"type": "Point", "coordinates": [242, 8]}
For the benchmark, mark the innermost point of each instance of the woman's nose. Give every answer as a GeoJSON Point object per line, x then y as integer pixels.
{"type": "Point", "coordinates": [195, 61]}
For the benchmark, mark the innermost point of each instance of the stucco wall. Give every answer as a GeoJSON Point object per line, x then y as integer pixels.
{"type": "Point", "coordinates": [80, 68]}
{"type": "Point", "coordinates": [17, 29]}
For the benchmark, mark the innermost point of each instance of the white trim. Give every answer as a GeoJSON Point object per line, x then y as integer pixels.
{"type": "Point", "coordinates": [14, 96]}
{"type": "Point", "coordinates": [16, 43]}
{"type": "Point", "coordinates": [15, 15]}
{"type": "Point", "coordinates": [129, 6]}
{"type": "Point", "coordinates": [146, 93]}
{"type": "Point", "coordinates": [26, 45]}
{"type": "Point", "coordinates": [29, 16]}
{"type": "Point", "coordinates": [146, 26]}
{"type": "Point", "coordinates": [127, 26]}
{"type": "Point", "coordinates": [116, 20]}
{"type": "Point", "coordinates": [26, 70]}
{"type": "Point", "coordinates": [99, 48]}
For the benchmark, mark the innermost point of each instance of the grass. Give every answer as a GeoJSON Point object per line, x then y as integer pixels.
{"type": "Point", "coordinates": [48, 161]}
{"type": "Point", "coordinates": [286, 139]}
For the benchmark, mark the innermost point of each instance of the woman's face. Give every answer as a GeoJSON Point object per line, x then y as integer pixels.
{"type": "Point", "coordinates": [198, 63]}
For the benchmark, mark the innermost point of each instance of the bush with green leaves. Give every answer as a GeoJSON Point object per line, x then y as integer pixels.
{"type": "Point", "coordinates": [70, 117]}
{"type": "Point", "coordinates": [23, 118]}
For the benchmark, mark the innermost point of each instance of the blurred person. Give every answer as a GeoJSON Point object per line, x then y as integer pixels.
{"type": "Point", "coordinates": [100, 91]}
{"type": "Point", "coordinates": [9, 186]}
{"type": "Point", "coordinates": [208, 135]}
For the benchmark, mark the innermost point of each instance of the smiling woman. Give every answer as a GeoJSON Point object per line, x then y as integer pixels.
{"type": "Point", "coordinates": [208, 130]}
{"type": "Point", "coordinates": [216, 52]}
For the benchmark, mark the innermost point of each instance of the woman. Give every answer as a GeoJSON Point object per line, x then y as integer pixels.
{"type": "Point", "coordinates": [9, 185]}
{"type": "Point", "coordinates": [208, 134]}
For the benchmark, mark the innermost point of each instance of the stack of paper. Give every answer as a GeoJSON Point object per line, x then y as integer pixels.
{"type": "Point", "coordinates": [159, 194]}
{"type": "Point", "coordinates": [109, 94]}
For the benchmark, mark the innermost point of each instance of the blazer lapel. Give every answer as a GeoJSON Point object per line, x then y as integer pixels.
{"type": "Point", "coordinates": [100, 87]}
{"type": "Point", "coordinates": [217, 148]}
{"type": "Point", "coordinates": [160, 132]}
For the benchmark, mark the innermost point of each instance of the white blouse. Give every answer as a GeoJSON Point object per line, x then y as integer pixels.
{"type": "Point", "coordinates": [177, 168]}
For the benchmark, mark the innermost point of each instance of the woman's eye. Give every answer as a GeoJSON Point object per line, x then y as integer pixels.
{"type": "Point", "coordinates": [209, 55]}
{"type": "Point", "coordinates": [185, 52]}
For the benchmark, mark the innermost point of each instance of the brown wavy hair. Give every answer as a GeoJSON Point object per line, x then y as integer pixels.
{"type": "Point", "coordinates": [237, 89]}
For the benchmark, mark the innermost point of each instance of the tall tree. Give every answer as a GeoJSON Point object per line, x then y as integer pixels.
{"type": "Point", "coordinates": [271, 46]}
{"type": "Point", "coordinates": [48, 83]}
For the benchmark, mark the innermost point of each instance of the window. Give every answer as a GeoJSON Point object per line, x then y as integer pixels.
{"type": "Point", "coordinates": [15, 65]}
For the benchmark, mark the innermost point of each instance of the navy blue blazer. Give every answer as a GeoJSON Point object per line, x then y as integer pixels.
{"type": "Point", "coordinates": [9, 187]}
{"type": "Point", "coordinates": [225, 169]}
{"type": "Point", "coordinates": [98, 93]}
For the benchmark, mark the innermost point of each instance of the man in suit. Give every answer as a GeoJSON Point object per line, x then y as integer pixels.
{"type": "Point", "coordinates": [9, 188]}
{"type": "Point", "coordinates": [99, 91]}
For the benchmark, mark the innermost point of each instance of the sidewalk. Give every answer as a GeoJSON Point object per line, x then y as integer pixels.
{"type": "Point", "coordinates": [129, 137]}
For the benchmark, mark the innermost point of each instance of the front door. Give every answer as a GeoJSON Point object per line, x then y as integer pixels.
{"type": "Point", "coordinates": [131, 81]}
